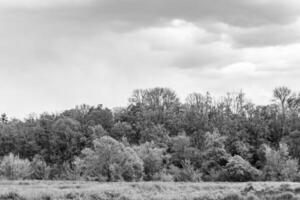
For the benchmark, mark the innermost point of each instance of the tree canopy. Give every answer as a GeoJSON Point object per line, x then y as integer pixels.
{"type": "Point", "coordinates": [158, 137]}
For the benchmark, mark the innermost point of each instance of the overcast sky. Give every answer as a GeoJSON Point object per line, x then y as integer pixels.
{"type": "Point", "coordinates": [55, 54]}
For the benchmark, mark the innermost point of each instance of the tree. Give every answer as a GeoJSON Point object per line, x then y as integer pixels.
{"type": "Point", "coordinates": [158, 106]}
{"type": "Point", "coordinates": [214, 156]}
{"type": "Point", "coordinates": [99, 116]}
{"type": "Point", "coordinates": [110, 160]}
{"type": "Point", "coordinates": [65, 141]}
{"type": "Point", "coordinates": [122, 129]}
{"type": "Point", "coordinates": [293, 141]}
{"type": "Point", "coordinates": [180, 149]}
{"type": "Point", "coordinates": [197, 108]}
{"type": "Point", "coordinates": [98, 131]}
{"type": "Point", "coordinates": [155, 133]}
{"type": "Point", "coordinates": [282, 93]}
{"type": "Point", "coordinates": [153, 159]}
{"type": "Point", "coordinates": [279, 166]}
{"type": "Point", "coordinates": [14, 168]}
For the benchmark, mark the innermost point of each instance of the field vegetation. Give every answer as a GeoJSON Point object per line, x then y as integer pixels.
{"type": "Point", "coordinates": [64, 190]}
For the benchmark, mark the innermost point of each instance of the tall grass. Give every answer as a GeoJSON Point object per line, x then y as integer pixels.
{"type": "Point", "coordinates": [68, 190]}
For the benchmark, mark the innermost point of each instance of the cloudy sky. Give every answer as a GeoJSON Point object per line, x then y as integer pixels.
{"type": "Point", "coordinates": [55, 54]}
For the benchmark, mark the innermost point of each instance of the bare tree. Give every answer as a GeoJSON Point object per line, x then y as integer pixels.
{"type": "Point", "coordinates": [282, 93]}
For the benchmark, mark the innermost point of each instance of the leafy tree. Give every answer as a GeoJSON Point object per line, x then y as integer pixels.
{"type": "Point", "coordinates": [65, 141]}
{"type": "Point", "coordinates": [155, 133]}
{"type": "Point", "coordinates": [122, 129]}
{"type": "Point", "coordinates": [180, 149]}
{"type": "Point", "coordinates": [158, 106]}
{"type": "Point", "coordinates": [216, 136]}
{"type": "Point", "coordinates": [100, 116]}
{"type": "Point", "coordinates": [279, 166]}
{"type": "Point", "coordinates": [153, 159]}
{"type": "Point", "coordinates": [110, 160]}
{"type": "Point", "coordinates": [293, 141]}
{"type": "Point", "coordinates": [214, 156]}
{"type": "Point", "coordinates": [14, 168]}
{"type": "Point", "coordinates": [97, 132]}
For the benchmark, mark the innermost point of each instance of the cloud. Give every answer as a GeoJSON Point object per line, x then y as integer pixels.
{"type": "Point", "coordinates": [271, 35]}
{"type": "Point", "coordinates": [58, 53]}
{"type": "Point", "coordinates": [242, 13]}
{"type": "Point", "coordinates": [37, 4]}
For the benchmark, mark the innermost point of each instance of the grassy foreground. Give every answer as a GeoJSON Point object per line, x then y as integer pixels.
{"type": "Point", "coordinates": [48, 190]}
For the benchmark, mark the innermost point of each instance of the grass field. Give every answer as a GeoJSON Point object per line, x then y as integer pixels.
{"type": "Point", "coordinates": [48, 190]}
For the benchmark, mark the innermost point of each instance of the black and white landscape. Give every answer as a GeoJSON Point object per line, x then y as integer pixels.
{"type": "Point", "coordinates": [157, 99]}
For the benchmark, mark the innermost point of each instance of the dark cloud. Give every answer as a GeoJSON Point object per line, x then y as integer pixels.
{"type": "Point", "coordinates": [253, 23]}
{"type": "Point", "coordinates": [242, 13]}
{"type": "Point", "coordinates": [234, 12]}
{"type": "Point", "coordinates": [267, 36]}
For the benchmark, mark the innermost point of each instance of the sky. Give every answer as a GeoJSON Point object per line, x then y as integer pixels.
{"type": "Point", "coordinates": [55, 54]}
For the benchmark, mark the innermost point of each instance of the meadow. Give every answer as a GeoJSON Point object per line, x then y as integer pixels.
{"type": "Point", "coordinates": [48, 190]}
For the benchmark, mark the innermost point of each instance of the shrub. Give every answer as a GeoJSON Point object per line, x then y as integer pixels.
{"type": "Point", "coordinates": [11, 196]}
{"type": "Point", "coordinates": [70, 171]}
{"type": "Point", "coordinates": [233, 196]}
{"type": "Point", "coordinates": [252, 197]}
{"type": "Point", "coordinates": [14, 168]}
{"type": "Point", "coordinates": [283, 196]}
{"type": "Point", "coordinates": [187, 173]}
{"type": "Point", "coordinates": [44, 197]}
{"type": "Point", "coordinates": [239, 170]}
{"type": "Point", "coordinates": [163, 176]}
{"type": "Point", "coordinates": [40, 170]}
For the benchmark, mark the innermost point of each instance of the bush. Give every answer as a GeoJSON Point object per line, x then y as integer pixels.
{"type": "Point", "coordinates": [14, 168]}
{"type": "Point", "coordinates": [11, 196]}
{"type": "Point", "coordinates": [187, 173]}
{"type": "Point", "coordinates": [240, 170]}
{"type": "Point", "coordinates": [40, 170]}
{"type": "Point", "coordinates": [283, 196]}
{"type": "Point", "coordinates": [163, 176]}
{"type": "Point", "coordinates": [233, 196]}
{"type": "Point", "coordinates": [252, 197]}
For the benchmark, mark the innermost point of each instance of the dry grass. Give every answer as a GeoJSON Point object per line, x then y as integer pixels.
{"type": "Point", "coordinates": [47, 190]}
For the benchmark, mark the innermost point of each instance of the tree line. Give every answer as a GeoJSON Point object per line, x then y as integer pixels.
{"type": "Point", "coordinates": [158, 138]}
